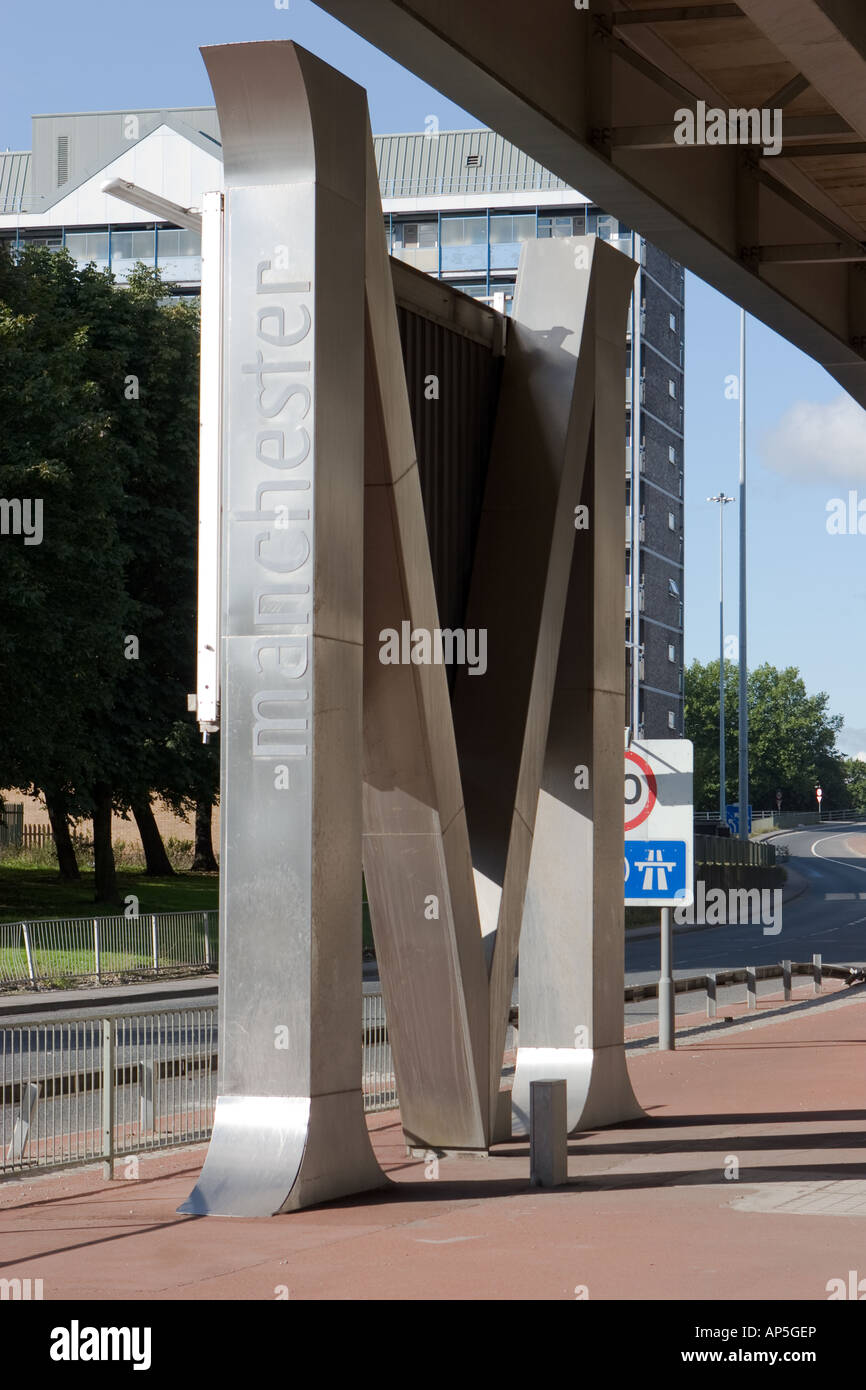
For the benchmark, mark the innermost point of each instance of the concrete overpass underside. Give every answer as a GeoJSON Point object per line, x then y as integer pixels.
{"type": "Point", "coordinates": [593, 94]}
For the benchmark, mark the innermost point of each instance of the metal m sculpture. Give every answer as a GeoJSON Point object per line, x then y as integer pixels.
{"type": "Point", "coordinates": [463, 808]}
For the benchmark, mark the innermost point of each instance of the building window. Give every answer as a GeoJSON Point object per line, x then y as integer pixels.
{"type": "Point", "coordinates": [672, 652]}
{"type": "Point", "coordinates": [672, 318]}
{"type": "Point", "coordinates": [672, 389]}
{"type": "Point", "coordinates": [673, 588]}
{"type": "Point", "coordinates": [672, 522]}
{"type": "Point", "coordinates": [672, 719]}
{"type": "Point", "coordinates": [572, 224]}
{"type": "Point", "coordinates": [505, 228]}
{"type": "Point", "coordinates": [414, 235]}
{"type": "Point", "coordinates": [463, 231]}
{"type": "Point", "coordinates": [680, 484]}
{"type": "Point", "coordinates": [132, 246]}
{"type": "Point", "coordinates": [178, 241]}
{"type": "Point", "coordinates": [672, 453]}
{"type": "Point", "coordinates": [88, 246]}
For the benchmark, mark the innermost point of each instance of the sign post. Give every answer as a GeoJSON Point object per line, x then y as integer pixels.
{"type": "Point", "coordinates": [659, 847]}
{"type": "Point", "coordinates": [819, 794]}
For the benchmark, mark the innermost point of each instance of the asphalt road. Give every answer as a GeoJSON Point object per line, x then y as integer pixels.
{"type": "Point", "coordinates": [829, 917]}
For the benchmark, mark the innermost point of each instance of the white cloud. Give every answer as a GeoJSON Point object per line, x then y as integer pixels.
{"type": "Point", "coordinates": [851, 742]}
{"type": "Point", "coordinates": [814, 441]}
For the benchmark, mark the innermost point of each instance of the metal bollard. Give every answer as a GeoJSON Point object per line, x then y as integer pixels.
{"type": "Point", "coordinates": [786, 978]}
{"type": "Point", "coordinates": [751, 989]}
{"type": "Point", "coordinates": [816, 974]}
{"type": "Point", "coordinates": [145, 1097]}
{"type": "Point", "coordinates": [711, 996]}
{"type": "Point", "coordinates": [548, 1137]}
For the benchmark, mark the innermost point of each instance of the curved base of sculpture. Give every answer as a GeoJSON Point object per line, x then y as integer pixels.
{"type": "Point", "coordinates": [597, 1082]}
{"type": "Point", "coordinates": [301, 1152]}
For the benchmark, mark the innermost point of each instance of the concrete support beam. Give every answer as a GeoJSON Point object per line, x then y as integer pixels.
{"type": "Point", "coordinates": [536, 78]}
{"type": "Point", "coordinates": [826, 41]}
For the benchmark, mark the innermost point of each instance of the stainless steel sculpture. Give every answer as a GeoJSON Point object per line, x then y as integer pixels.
{"type": "Point", "coordinates": [289, 1126]}
{"type": "Point", "coordinates": [453, 794]}
{"type": "Point", "coordinates": [471, 822]}
{"type": "Point", "coordinates": [572, 939]}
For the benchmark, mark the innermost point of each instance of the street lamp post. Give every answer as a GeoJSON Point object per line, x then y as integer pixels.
{"type": "Point", "coordinates": [722, 498]}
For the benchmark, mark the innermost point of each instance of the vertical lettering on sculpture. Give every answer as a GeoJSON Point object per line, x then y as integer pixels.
{"type": "Point", "coordinates": [275, 716]}
{"type": "Point", "coordinates": [282, 714]}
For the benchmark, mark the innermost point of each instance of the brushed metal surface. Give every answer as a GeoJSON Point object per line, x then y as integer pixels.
{"type": "Point", "coordinates": [572, 933]}
{"type": "Point", "coordinates": [291, 633]}
{"type": "Point", "coordinates": [416, 852]}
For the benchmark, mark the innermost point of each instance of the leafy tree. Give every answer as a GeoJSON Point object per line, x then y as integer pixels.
{"type": "Point", "coordinates": [855, 784]}
{"type": "Point", "coordinates": [792, 738]}
{"type": "Point", "coordinates": [98, 392]}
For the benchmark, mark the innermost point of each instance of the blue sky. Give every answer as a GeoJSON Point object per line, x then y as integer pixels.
{"type": "Point", "coordinates": [806, 443]}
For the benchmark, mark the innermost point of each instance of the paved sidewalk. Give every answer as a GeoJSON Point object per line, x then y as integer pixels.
{"type": "Point", "coordinates": [652, 1210]}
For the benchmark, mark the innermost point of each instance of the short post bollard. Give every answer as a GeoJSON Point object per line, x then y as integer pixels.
{"type": "Point", "coordinates": [816, 974]}
{"type": "Point", "coordinates": [751, 989]}
{"type": "Point", "coordinates": [548, 1134]}
{"type": "Point", "coordinates": [786, 978]}
{"type": "Point", "coordinates": [711, 996]}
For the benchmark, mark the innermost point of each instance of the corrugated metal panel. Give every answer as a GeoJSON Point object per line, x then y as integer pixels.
{"type": "Point", "coordinates": [436, 164]}
{"type": "Point", "coordinates": [14, 180]}
{"type": "Point", "coordinates": [452, 438]}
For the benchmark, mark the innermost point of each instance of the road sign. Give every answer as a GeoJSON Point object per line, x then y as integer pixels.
{"type": "Point", "coordinates": [732, 816]}
{"type": "Point", "coordinates": [778, 798]}
{"type": "Point", "coordinates": [820, 795]}
{"type": "Point", "coordinates": [659, 846]}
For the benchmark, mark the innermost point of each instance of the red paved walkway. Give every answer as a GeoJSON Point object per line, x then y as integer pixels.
{"type": "Point", "coordinates": [649, 1213]}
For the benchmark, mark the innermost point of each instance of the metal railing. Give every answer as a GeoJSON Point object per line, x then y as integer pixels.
{"type": "Point", "coordinates": [70, 948]}
{"type": "Point", "coordinates": [716, 849]}
{"type": "Point", "coordinates": [77, 1091]}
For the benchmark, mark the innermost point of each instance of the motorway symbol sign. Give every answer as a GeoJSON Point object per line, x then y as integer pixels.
{"type": "Point", "coordinates": [654, 868]}
{"type": "Point", "coordinates": [658, 823]}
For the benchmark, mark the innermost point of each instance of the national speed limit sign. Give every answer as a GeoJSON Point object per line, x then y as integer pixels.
{"type": "Point", "coordinates": [640, 789]}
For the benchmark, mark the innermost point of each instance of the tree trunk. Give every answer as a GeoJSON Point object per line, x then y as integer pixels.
{"type": "Point", "coordinates": [156, 860]}
{"type": "Point", "coordinates": [58, 815]}
{"type": "Point", "coordinates": [205, 859]}
{"type": "Point", "coordinates": [103, 854]}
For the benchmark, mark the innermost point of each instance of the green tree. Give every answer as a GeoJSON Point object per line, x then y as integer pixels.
{"type": "Point", "coordinates": [792, 738]}
{"type": "Point", "coordinates": [855, 784]}
{"type": "Point", "coordinates": [98, 392]}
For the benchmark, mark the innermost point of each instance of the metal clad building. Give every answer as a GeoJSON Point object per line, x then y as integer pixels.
{"type": "Point", "coordinates": [458, 206]}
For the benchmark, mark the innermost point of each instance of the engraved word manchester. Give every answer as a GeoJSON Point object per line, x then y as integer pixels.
{"type": "Point", "coordinates": [282, 706]}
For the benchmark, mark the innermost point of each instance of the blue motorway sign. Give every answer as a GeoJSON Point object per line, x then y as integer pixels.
{"type": "Point", "coordinates": [655, 870]}
{"type": "Point", "coordinates": [732, 816]}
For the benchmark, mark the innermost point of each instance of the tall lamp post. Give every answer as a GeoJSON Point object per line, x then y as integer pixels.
{"type": "Point", "coordinates": [743, 792]}
{"type": "Point", "coordinates": [722, 498]}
